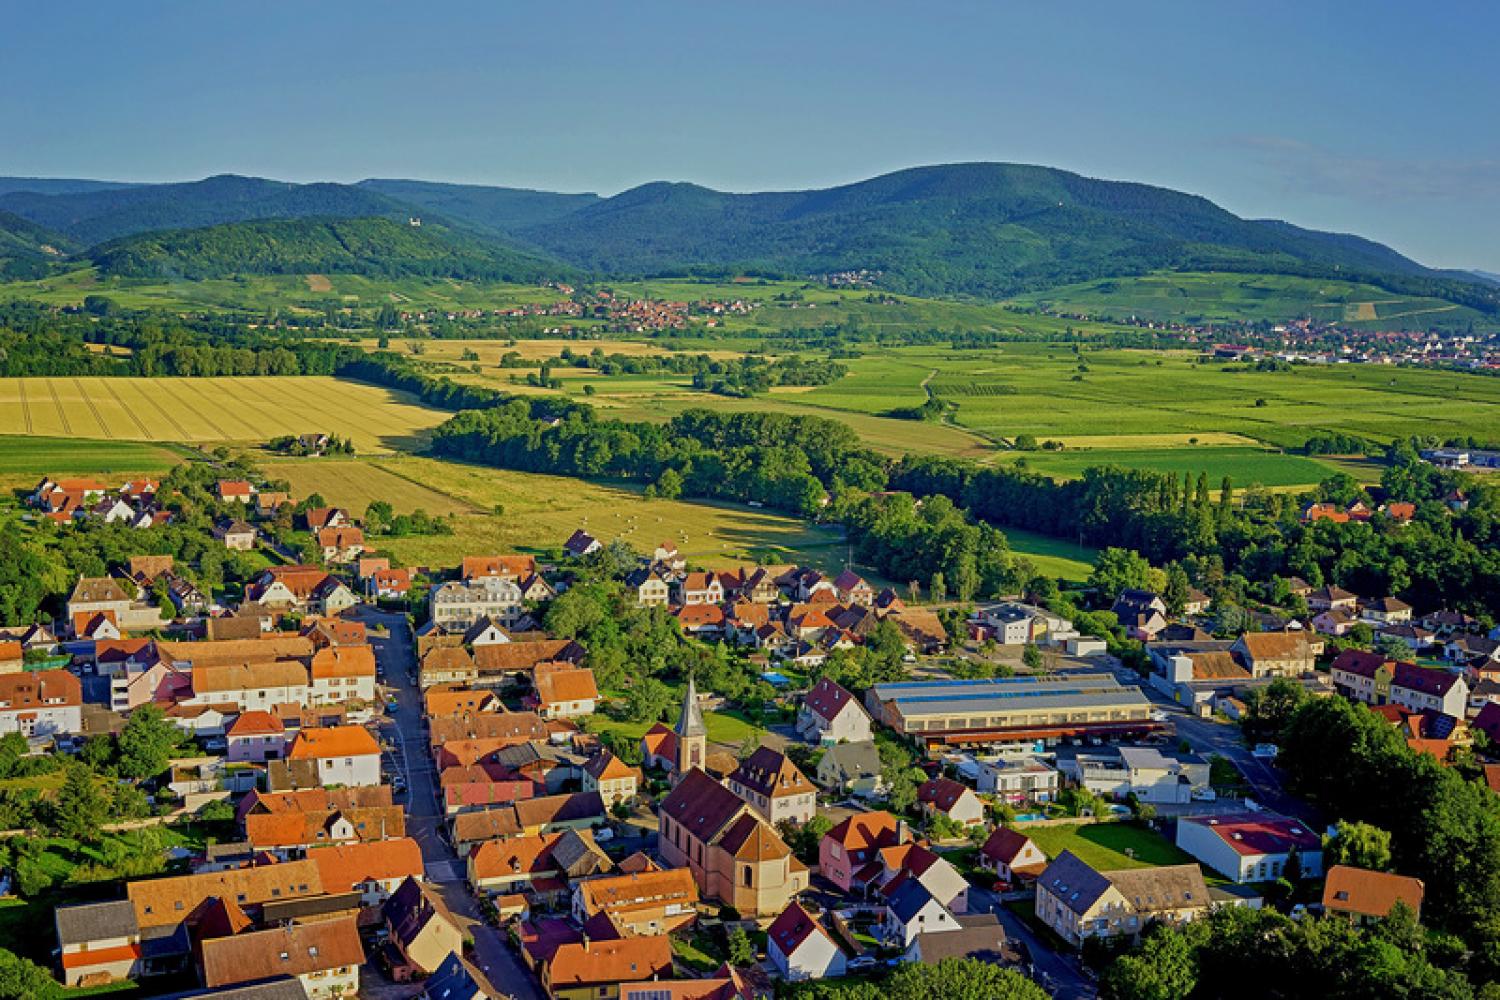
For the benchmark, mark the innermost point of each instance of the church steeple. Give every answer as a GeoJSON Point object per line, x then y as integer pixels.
{"type": "Point", "coordinates": [692, 734]}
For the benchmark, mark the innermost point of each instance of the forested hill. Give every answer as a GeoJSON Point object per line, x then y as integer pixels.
{"type": "Point", "coordinates": [491, 209]}
{"type": "Point", "coordinates": [378, 246]}
{"type": "Point", "coordinates": [986, 229]}
{"type": "Point", "coordinates": [26, 248]}
{"type": "Point", "coordinates": [94, 216]}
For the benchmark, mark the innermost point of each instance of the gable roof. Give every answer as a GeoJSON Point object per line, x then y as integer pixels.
{"type": "Point", "coordinates": [942, 793]}
{"type": "Point", "coordinates": [828, 698]}
{"type": "Point", "coordinates": [1275, 645]}
{"type": "Point", "coordinates": [1004, 844]}
{"type": "Point", "coordinates": [1368, 893]}
{"type": "Point", "coordinates": [771, 773]}
{"type": "Point", "coordinates": [795, 925]}
{"type": "Point", "coordinates": [474, 567]}
{"type": "Point", "coordinates": [563, 682]}
{"type": "Point", "coordinates": [1165, 887]}
{"type": "Point", "coordinates": [631, 891]}
{"type": "Point", "coordinates": [701, 805]}
{"type": "Point", "coordinates": [1074, 882]}
{"type": "Point", "coordinates": [343, 661]}
{"type": "Point", "coordinates": [865, 830]}
{"type": "Point", "coordinates": [528, 854]}
{"type": "Point", "coordinates": [293, 950]}
{"type": "Point", "coordinates": [161, 902]}
{"type": "Point", "coordinates": [343, 867]}
{"type": "Point", "coordinates": [590, 963]}
{"type": "Point", "coordinates": [332, 741]}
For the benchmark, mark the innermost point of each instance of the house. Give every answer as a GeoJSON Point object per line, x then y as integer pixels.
{"type": "Point", "coordinates": [1079, 902]}
{"type": "Point", "coordinates": [946, 797]}
{"type": "Point", "coordinates": [255, 737]}
{"type": "Point", "coordinates": [301, 588]}
{"type": "Point", "coordinates": [851, 588]}
{"type": "Point", "coordinates": [700, 588]}
{"type": "Point", "coordinates": [659, 748]}
{"type": "Point", "coordinates": [1332, 599]}
{"type": "Point", "coordinates": [546, 814]}
{"type": "Point", "coordinates": [422, 932]}
{"type": "Point", "coordinates": [317, 518]}
{"type": "Point", "coordinates": [611, 777]}
{"type": "Point", "coordinates": [586, 970]}
{"type": "Point", "coordinates": [456, 605]}
{"type": "Point", "coordinates": [98, 943]}
{"type": "Point", "coordinates": [639, 904]}
{"type": "Point", "coordinates": [1150, 774]}
{"type": "Point", "coordinates": [701, 620]}
{"type": "Point", "coordinates": [104, 597]}
{"type": "Point", "coordinates": [342, 674]}
{"type": "Point", "coordinates": [564, 691]}
{"type": "Point", "coordinates": [581, 543]}
{"type": "Point", "coordinates": [651, 588]}
{"type": "Point", "coordinates": [1415, 637]}
{"type": "Point", "coordinates": [800, 949]}
{"type": "Point", "coordinates": [324, 955]}
{"type": "Point", "coordinates": [911, 910]}
{"type": "Point", "coordinates": [1274, 654]}
{"type": "Point", "coordinates": [1251, 847]}
{"type": "Point", "coordinates": [1385, 611]}
{"type": "Point", "coordinates": [978, 936]}
{"type": "Point", "coordinates": [1469, 648]}
{"type": "Point", "coordinates": [1012, 855]}
{"type": "Point", "coordinates": [255, 685]}
{"type": "Point", "coordinates": [1334, 623]}
{"type": "Point", "coordinates": [774, 787]}
{"type": "Point", "coordinates": [447, 665]}
{"type": "Point", "coordinates": [374, 869]}
{"type": "Point", "coordinates": [41, 703]}
{"type": "Point", "coordinates": [1018, 779]}
{"type": "Point", "coordinates": [852, 768]}
{"type": "Point", "coordinates": [341, 544]}
{"type": "Point", "coordinates": [234, 491]}
{"type": "Point", "coordinates": [344, 755]}
{"type": "Point", "coordinates": [736, 858]}
{"type": "Point", "coordinates": [268, 503]}
{"type": "Point", "coordinates": [855, 844]}
{"type": "Point", "coordinates": [454, 980]}
{"type": "Point", "coordinates": [391, 584]}
{"type": "Point", "coordinates": [288, 823]}
{"type": "Point", "coordinates": [514, 864]}
{"type": "Point", "coordinates": [1363, 895]}
{"type": "Point", "coordinates": [235, 534]}
{"type": "Point", "coordinates": [830, 714]}
{"type": "Point", "coordinates": [1374, 680]}
{"type": "Point", "coordinates": [1141, 613]}
{"type": "Point", "coordinates": [915, 862]}
{"type": "Point", "coordinates": [510, 567]}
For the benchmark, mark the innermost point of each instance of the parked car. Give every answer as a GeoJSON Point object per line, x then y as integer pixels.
{"type": "Point", "coordinates": [1266, 751]}
{"type": "Point", "coordinates": [860, 962]}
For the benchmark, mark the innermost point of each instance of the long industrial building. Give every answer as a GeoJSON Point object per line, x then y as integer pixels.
{"type": "Point", "coordinates": [1012, 709]}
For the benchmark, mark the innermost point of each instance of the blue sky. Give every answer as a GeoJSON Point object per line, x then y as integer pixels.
{"type": "Point", "coordinates": [1378, 118]}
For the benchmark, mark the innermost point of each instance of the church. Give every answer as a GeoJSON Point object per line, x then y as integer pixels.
{"type": "Point", "coordinates": [736, 857]}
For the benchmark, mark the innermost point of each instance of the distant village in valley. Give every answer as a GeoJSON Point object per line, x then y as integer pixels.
{"type": "Point", "coordinates": [300, 770]}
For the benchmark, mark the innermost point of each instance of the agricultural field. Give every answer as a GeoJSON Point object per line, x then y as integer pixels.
{"type": "Point", "coordinates": [1053, 557]}
{"type": "Point", "coordinates": [540, 512]}
{"type": "Point", "coordinates": [195, 410]}
{"type": "Point", "coordinates": [1205, 298]}
{"type": "Point", "coordinates": [1245, 466]}
{"type": "Point", "coordinates": [23, 460]}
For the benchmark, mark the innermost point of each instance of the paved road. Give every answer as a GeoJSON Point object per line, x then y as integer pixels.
{"type": "Point", "coordinates": [492, 955]}
{"type": "Point", "coordinates": [1060, 974]}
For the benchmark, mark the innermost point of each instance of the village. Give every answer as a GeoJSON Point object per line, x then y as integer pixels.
{"type": "Point", "coordinates": [428, 793]}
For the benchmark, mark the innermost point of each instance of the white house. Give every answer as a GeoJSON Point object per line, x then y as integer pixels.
{"type": "Point", "coordinates": [341, 674]}
{"type": "Point", "coordinates": [799, 947]}
{"type": "Point", "coordinates": [830, 714]}
{"type": "Point", "coordinates": [1150, 774]}
{"type": "Point", "coordinates": [946, 797]}
{"type": "Point", "coordinates": [912, 910]}
{"type": "Point", "coordinates": [1251, 847]}
{"type": "Point", "coordinates": [345, 755]}
{"type": "Point", "coordinates": [259, 686]}
{"type": "Point", "coordinates": [1017, 779]}
{"type": "Point", "coordinates": [41, 703]}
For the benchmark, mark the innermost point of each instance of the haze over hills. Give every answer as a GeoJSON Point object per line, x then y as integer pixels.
{"type": "Point", "coordinates": [986, 230]}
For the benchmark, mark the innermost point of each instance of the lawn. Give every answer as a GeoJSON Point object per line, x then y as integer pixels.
{"type": "Point", "coordinates": [1244, 466]}
{"type": "Point", "coordinates": [1104, 845]}
{"type": "Point", "coordinates": [229, 408]}
{"type": "Point", "coordinates": [727, 729]}
{"type": "Point", "coordinates": [1053, 556]}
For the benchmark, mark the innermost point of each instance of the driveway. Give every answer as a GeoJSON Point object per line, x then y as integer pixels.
{"type": "Point", "coordinates": [493, 957]}
{"type": "Point", "coordinates": [1060, 974]}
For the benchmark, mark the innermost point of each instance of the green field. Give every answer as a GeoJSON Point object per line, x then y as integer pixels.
{"type": "Point", "coordinates": [1053, 556]}
{"type": "Point", "coordinates": [1245, 466]}
{"type": "Point", "coordinates": [1209, 298]}
{"type": "Point", "coordinates": [29, 458]}
{"type": "Point", "coordinates": [1108, 846]}
{"type": "Point", "coordinates": [540, 512]}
